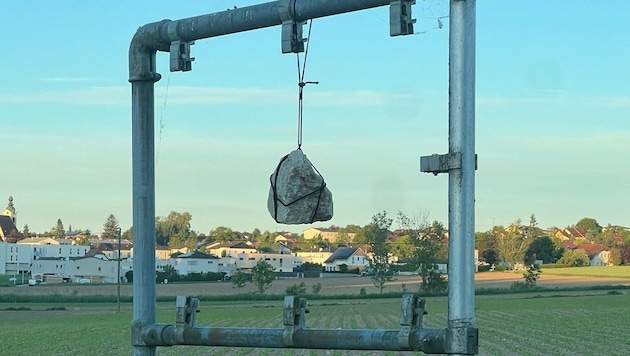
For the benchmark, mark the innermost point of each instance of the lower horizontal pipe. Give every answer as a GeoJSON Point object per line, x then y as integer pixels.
{"type": "Point", "coordinates": [426, 340]}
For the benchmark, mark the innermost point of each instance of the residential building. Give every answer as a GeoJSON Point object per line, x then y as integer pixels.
{"type": "Point", "coordinates": [598, 254]}
{"type": "Point", "coordinates": [226, 249]}
{"type": "Point", "coordinates": [94, 266]}
{"type": "Point", "coordinates": [280, 262]}
{"type": "Point", "coordinates": [327, 234]}
{"type": "Point", "coordinates": [199, 262]}
{"type": "Point", "coordinates": [351, 257]}
{"type": "Point", "coordinates": [314, 257]}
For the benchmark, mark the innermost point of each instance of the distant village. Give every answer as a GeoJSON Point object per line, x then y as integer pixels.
{"type": "Point", "coordinates": [84, 258]}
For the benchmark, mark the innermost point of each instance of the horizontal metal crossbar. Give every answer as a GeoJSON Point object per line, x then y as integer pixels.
{"type": "Point", "coordinates": [410, 336]}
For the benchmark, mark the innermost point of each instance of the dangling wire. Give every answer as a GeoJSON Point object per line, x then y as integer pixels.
{"type": "Point", "coordinates": [301, 82]}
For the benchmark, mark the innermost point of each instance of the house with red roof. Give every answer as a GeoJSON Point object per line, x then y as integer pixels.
{"type": "Point", "coordinates": [598, 254]}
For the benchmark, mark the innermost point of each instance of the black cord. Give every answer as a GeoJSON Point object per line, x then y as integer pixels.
{"type": "Point", "coordinates": [301, 82]}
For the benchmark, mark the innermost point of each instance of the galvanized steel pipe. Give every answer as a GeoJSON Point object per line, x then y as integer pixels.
{"type": "Point", "coordinates": [427, 340]}
{"type": "Point", "coordinates": [461, 269]}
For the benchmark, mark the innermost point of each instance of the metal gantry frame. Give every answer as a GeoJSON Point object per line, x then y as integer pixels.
{"type": "Point", "coordinates": [460, 337]}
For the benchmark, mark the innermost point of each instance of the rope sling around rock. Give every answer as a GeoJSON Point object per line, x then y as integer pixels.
{"type": "Point", "coordinates": [298, 192]}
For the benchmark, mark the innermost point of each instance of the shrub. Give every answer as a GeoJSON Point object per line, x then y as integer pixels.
{"type": "Point", "coordinates": [296, 289]}
{"type": "Point", "coordinates": [362, 292]}
{"type": "Point", "coordinates": [317, 288]}
{"type": "Point", "coordinates": [484, 268]}
{"type": "Point", "coordinates": [500, 268]}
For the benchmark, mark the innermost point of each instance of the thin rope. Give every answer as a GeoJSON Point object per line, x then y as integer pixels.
{"type": "Point", "coordinates": [301, 82]}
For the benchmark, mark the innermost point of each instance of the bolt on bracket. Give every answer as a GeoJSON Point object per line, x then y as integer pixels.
{"type": "Point", "coordinates": [400, 21]}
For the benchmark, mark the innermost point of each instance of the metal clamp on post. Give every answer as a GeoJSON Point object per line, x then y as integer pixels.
{"type": "Point", "coordinates": [180, 50]}
{"type": "Point", "coordinates": [293, 318]}
{"type": "Point", "coordinates": [292, 40]}
{"type": "Point", "coordinates": [411, 313]}
{"type": "Point", "coordinates": [400, 21]}
{"type": "Point", "coordinates": [186, 310]}
{"type": "Point", "coordinates": [462, 341]}
{"type": "Point", "coordinates": [442, 163]}
{"type": "Point", "coordinates": [180, 56]}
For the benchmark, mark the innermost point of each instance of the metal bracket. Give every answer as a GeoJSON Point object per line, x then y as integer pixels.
{"type": "Point", "coordinates": [186, 310]}
{"type": "Point", "coordinates": [180, 56]}
{"type": "Point", "coordinates": [462, 341]}
{"type": "Point", "coordinates": [411, 313]}
{"type": "Point", "coordinates": [293, 317]}
{"type": "Point", "coordinates": [292, 40]}
{"type": "Point", "coordinates": [400, 21]}
{"type": "Point", "coordinates": [442, 163]}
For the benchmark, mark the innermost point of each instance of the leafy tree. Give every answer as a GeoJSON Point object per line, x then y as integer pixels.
{"type": "Point", "coordinates": [512, 247]}
{"type": "Point", "coordinates": [625, 236]}
{"type": "Point", "coordinates": [530, 276]}
{"type": "Point", "coordinates": [169, 273]}
{"type": "Point", "coordinates": [26, 232]}
{"type": "Point", "coordinates": [403, 248]}
{"type": "Point", "coordinates": [376, 235]}
{"type": "Point", "coordinates": [58, 231]}
{"type": "Point", "coordinates": [129, 276]}
{"type": "Point", "coordinates": [296, 289]}
{"type": "Point", "coordinates": [591, 226]}
{"type": "Point", "coordinates": [256, 234]}
{"type": "Point", "coordinates": [574, 258]}
{"type": "Point", "coordinates": [543, 248]}
{"type": "Point", "coordinates": [110, 228]}
{"type": "Point", "coordinates": [342, 237]}
{"type": "Point", "coordinates": [615, 257]}
{"type": "Point", "coordinates": [128, 234]}
{"type": "Point", "coordinates": [223, 234]}
{"type": "Point", "coordinates": [607, 236]}
{"type": "Point", "coordinates": [266, 242]}
{"type": "Point", "coordinates": [238, 279]}
{"type": "Point", "coordinates": [174, 230]}
{"type": "Point", "coordinates": [319, 242]}
{"type": "Point", "coordinates": [428, 242]}
{"type": "Point", "coordinates": [263, 276]}
{"type": "Point", "coordinates": [317, 288]}
{"type": "Point", "coordinates": [486, 243]}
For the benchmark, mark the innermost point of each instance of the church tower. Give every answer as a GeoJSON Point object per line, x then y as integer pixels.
{"type": "Point", "coordinates": [10, 211]}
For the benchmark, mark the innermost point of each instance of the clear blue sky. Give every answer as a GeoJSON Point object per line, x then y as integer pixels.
{"type": "Point", "coordinates": [552, 118]}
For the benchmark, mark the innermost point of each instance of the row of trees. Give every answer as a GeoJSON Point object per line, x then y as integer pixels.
{"type": "Point", "coordinates": [519, 244]}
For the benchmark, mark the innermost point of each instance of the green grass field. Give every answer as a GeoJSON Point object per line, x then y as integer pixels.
{"type": "Point", "coordinates": [599, 272]}
{"type": "Point", "coordinates": [574, 323]}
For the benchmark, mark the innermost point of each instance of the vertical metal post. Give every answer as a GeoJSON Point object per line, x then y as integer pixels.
{"type": "Point", "coordinates": [118, 274]}
{"type": "Point", "coordinates": [461, 194]}
{"type": "Point", "coordinates": [142, 91]}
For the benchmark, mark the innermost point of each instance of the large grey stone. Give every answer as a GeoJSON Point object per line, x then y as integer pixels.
{"type": "Point", "coordinates": [298, 193]}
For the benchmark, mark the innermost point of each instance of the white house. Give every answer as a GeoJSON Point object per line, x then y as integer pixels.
{"type": "Point", "coordinates": [95, 267]}
{"type": "Point", "coordinates": [280, 262]}
{"type": "Point", "coordinates": [227, 249]}
{"type": "Point", "coordinates": [314, 257]}
{"type": "Point", "coordinates": [199, 262]}
{"type": "Point", "coordinates": [352, 257]}
{"type": "Point", "coordinates": [16, 258]}
{"type": "Point", "coordinates": [48, 247]}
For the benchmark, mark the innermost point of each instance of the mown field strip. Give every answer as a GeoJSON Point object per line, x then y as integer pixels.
{"type": "Point", "coordinates": [508, 325]}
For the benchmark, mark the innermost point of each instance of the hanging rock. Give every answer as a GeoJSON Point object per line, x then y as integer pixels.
{"type": "Point", "coordinates": [298, 193]}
